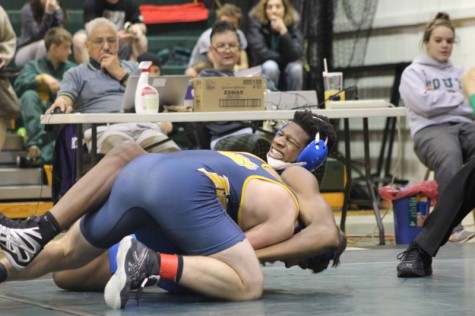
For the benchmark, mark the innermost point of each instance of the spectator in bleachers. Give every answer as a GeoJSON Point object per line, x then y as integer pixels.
{"type": "Point", "coordinates": [37, 85]}
{"type": "Point", "coordinates": [439, 115]}
{"type": "Point", "coordinates": [126, 16]}
{"type": "Point", "coordinates": [276, 42]}
{"type": "Point", "coordinates": [37, 17]}
{"type": "Point", "coordinates": [99, 86]}
{"type": "Point", "coordinates": [202, 56]}
{"type": "Point", "coordinates": [9, 107]}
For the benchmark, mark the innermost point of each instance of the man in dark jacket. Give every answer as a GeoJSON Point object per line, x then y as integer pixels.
{"type": "Point", "coordinates": [276, 43]}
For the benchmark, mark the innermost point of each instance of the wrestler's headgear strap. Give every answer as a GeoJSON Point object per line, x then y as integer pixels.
{"type": "Point", "coordinates": [314, 154]}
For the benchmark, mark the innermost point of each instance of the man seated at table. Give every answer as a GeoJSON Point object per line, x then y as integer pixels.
{"type": "Point", "coordinates": [201, 54]}
{"type": "Point", "coordinates": [99, 86]}
{"type": "Point", "coordinates": [225, 51]}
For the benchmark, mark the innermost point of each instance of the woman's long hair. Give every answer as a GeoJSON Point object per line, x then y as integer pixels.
{"type": "Point", "coordinates": [259, 11]}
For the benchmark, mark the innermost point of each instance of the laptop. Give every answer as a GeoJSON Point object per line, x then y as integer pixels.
{"type": "Point", "coordinates": [171, 90]}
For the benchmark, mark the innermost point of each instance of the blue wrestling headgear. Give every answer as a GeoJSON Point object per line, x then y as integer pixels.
{"type": "Point", "coordinates": [314, 154]}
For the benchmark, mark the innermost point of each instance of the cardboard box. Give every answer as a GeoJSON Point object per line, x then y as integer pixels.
{"type": "Point", "coordinates": [214, 94]}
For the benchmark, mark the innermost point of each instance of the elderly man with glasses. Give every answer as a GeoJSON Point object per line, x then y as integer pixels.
{"type": "Point", "coordinates": [98, 87]}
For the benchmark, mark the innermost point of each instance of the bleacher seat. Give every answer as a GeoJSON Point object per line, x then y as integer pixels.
{"type": "Point", "coordinates": [160, 36]}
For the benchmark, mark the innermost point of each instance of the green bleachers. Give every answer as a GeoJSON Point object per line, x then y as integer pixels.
{"type": "Point", "coordinates": [77, 4]}
{"type": "Point", "coordinates": [74, 22]}
{"type": "Point", "coordinates": [160, 36]}
{"type": "Point", "coordinates": [18, 4]}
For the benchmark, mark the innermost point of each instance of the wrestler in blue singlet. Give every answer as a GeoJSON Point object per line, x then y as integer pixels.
{"type": "Point", "coordinates": [174, 195]}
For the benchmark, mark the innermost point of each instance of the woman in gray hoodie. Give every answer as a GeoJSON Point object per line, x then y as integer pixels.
{"type": "Point", "coordinates": [440, 116]}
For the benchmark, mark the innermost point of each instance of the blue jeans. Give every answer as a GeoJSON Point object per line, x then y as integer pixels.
{"type": "Point", "coordinates": [292, 74]}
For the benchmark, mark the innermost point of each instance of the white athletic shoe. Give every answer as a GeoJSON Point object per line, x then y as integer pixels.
{"type": "Point", "coordinates": [21, 240]}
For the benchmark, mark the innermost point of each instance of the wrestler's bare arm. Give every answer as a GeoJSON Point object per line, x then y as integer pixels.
{"type": "Point", "coordinates": [320, 232]}
{"type": "Point", "coordinates": [268, 214]}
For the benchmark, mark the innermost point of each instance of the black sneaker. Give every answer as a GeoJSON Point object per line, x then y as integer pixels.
{"type": "Point", "coordinates": [21, 240]}
{"type": "Point", "coordinates": [136, 265]}
{"type": "Point", "coordinates": [23, 162]}
{"type": "Point", "coordinates": [415, 263]}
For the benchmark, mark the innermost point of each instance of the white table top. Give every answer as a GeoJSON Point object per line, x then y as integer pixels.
{"type": "Point", "coordinates": [81, 118]}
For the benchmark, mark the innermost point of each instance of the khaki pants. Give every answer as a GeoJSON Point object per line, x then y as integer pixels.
{"type": "Point", "coordinates": [145, 134]}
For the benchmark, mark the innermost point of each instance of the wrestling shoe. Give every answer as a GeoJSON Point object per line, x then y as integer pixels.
{"type": "Point", "coordinates": [22, 240]}
{"type": "Point", "coordinates": [415, 263]}
{"type": "Point", "coordinates": [136, 266]}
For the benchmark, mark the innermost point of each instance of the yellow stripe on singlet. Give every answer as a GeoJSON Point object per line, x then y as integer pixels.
{"type": "Point", "coordinates": [221, 184]}
{"type": "Point", "coordinates": [251, 165]}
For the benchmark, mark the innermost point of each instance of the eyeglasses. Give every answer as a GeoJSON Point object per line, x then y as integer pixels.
{"type": "Point", "coordinates": [221, 48]}
{"type": "Point", "coordinates": [99, 42]}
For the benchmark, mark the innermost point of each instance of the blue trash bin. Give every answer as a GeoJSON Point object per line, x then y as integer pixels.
{"type": "Point", "coordinates": [409, 215]}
